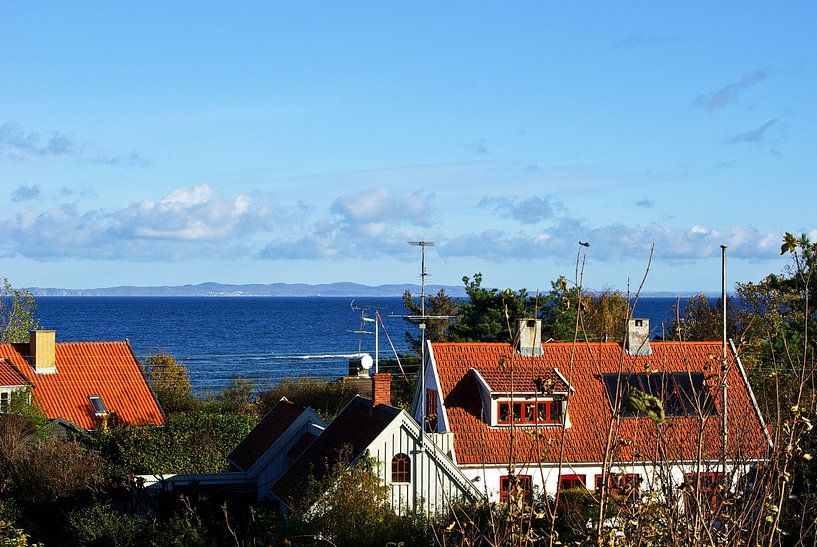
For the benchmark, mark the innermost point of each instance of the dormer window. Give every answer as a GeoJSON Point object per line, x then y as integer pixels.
{"type": "Point", "coordinates": [529, 412]}
{"type": "Point", "coordinates": [97, 405]}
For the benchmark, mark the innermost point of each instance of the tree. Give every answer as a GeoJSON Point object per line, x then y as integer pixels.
{"type": "Point", "coordinates": [17, 307]}
{"type": "Point", "coordinates": [702, 321]}
{"type": "Point", "coordinates": [490, 315]}
{"type": "Point", "coordinates": [170, 382]}
{"type": "Point", "coordinates": [437, 330]}
{"type": "Point", "coordinates": [602, 315]}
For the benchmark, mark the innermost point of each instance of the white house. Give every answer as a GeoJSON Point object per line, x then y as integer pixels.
{"type": "Point", "coordinates": [541, 414]}
{"type": "Point", "coordinates": [418, 472]}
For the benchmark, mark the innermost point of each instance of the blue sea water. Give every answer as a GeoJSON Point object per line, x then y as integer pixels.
{"type": "Point", "coordinates": [264, 339]}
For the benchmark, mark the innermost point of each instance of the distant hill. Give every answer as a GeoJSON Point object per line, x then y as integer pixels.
{"type": "Point", "coordinates": [341, 289]}
{"type": "Point", "coordinates": [271, 289]}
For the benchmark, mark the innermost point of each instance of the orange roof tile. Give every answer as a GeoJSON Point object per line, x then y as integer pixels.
{"type": "Point", "coordinates": [589, 410]}
{"type": "Point", "coordinates": [10, 376]}
{"type": "Point", "coordinates": [106, 369]}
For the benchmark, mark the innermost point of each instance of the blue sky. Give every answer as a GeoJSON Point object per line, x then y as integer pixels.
{"type": "Point", "coordinates": [171, 143]}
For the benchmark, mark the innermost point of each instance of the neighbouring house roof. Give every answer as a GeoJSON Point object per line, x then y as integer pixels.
{"type": "Point", "coordinates": [357, 425]}
{"type": "Point", "coordinates": [106, 369]}
{"type": "Point", "coordinates": [264, 435]}
{"type": "Point", "coordinates": [10, 376]}
{"type": "Point", "coordinates": [589, 410]}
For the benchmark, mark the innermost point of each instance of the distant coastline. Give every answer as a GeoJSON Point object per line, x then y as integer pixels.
{"type": "Point", "coordinates": [340, 289]}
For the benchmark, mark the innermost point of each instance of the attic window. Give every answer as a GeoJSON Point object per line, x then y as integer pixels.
{"type": "Point", "coordinates": [98, 405]}
{"type": "Point", "coordinates": [682, 393]}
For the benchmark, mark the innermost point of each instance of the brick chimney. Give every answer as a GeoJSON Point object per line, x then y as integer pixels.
{"type": "Point", "coordinates": [381, 389]}
{"type": "Point", "coordinates": [43, 350]}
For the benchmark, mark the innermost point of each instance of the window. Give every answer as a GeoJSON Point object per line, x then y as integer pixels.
{"type": "Point", "coordinates": [515, 485]}
{"type": "Point", "coordinates": [621, 484]}
{"type": "Point", "coordinates": [5, 401]}
{"type": "Point", "coordinates": [711, 488]}
{"type": "Point", "coordinates": [400, 468]}
{"type": "Point", "coordinates": [529, 412]}
{"type": "Point", "coordinates": [568, 482]}
{"type": "Point", "coordinates": [97, 405]}
{"type": "Point", "coordinates": [682, 393]}
{"type": "Point", "coordinates": [431, 410]}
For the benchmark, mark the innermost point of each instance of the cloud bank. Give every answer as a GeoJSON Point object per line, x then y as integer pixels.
{"type": "Point", "coordinates": [198, 222]}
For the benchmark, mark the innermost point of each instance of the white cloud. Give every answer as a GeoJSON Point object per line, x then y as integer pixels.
{"type": "Point", "coordinates": [371, 223]}
{"type": "Point", "coordinates": [615, 242]}
{"type": "Point", "coordinates": [186, 222]}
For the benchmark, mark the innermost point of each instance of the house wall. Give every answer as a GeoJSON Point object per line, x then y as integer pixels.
{"type": "Point", "coordinates": [432, 486]}
{"type": "Point", "coordinates": [544, 477]}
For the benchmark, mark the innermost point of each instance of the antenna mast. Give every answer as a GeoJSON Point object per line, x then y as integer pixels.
{"type": "Point", "coordinates": [724, 386]}
{"type": "Point", "coordinates": [422, 326]}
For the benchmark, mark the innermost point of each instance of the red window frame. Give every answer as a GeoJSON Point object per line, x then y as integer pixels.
{"type": "Point", "coordinates": [709, 487]}
{"type": "Point", "coordinates": [431, 410]}
{"type": "Point", "coordinates": [506, 481]}
{"type": "Point", "coordinates": [567, 482]}
{"type": "Point", "coordinates": [622, 484]}
{"type": "Point", "coordinates": [529, 412]}
{"type": "Point", "coordinates": [400, 468]}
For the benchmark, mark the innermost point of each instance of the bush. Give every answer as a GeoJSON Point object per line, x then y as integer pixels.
{"type": "Point", "coordinates": [325, 398]}
{"type": "Point", "coordinates": [102, 525]}
{"type": "Point", "coordinates": [194, 442]}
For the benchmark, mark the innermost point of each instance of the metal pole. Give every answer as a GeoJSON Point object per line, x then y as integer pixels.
{"type": "Point", "coordinates": [724, 387]}
{"type": "Point", "coordinates": [376, 345]}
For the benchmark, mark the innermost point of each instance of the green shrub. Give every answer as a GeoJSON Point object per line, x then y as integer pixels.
{"type": "Point", "coordinates": [194, 442]}
{"type": "Point", "coordinates": [103, 526]}
{"type": "Point", "coordinates": [326, 398]}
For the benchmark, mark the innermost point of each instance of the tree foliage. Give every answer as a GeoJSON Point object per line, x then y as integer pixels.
{"type": "Point", "coordinates": [489, 315]}
{"type": "Point", "coordinates": [17, 308]}
{"type": "Point", "coordinates": [349, 505]}
{"type": "Point", "coordinates": [170, 382]}
{"type": "Point", "coordinates": [701, 321]}
{"type": "Point", "coordinates": [192, 442]}
{"type": "Point", "coordinates": [437, 330]}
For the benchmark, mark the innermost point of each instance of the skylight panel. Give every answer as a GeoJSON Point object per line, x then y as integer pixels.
{"type": "Point", "coordinates": [681, 393]}
{"type": "Point", "coordinates": [97, 405]}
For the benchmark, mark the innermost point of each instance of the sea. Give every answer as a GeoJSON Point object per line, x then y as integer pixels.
{"type": "Point", "coordinates": [261, 339]}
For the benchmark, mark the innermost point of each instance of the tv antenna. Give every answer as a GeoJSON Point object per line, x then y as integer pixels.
{"type": "Point", "coordinates": [362, 330]}
{"type": "Point", "coordinates": [421, 320]}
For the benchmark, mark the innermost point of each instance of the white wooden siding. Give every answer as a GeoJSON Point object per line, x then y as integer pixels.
{"type": "Point", "coordinates": [435, 480]}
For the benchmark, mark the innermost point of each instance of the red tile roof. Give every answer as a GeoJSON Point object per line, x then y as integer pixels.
{"type": "Point", "coordinates": [494, 360]}
{"type": "Point", "coordinates": [10, 376]}
{"type": "Point", "coordinates": [271, 426]}
{"type": "Point", "coordinates": [357, 425]}
{"type": "Point", "coordinates": [589, 410]}
{"type": "Point", "coordinates": [106, 369]}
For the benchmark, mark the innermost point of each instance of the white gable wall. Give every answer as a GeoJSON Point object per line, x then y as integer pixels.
{"type": "Point", "coordinates": [435, 480]}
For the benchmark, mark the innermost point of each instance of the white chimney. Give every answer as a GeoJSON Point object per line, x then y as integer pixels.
{"type": "Point", "coordinates": [637, 337]}
{"type": "Point", "coordinates": [530, 337]}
